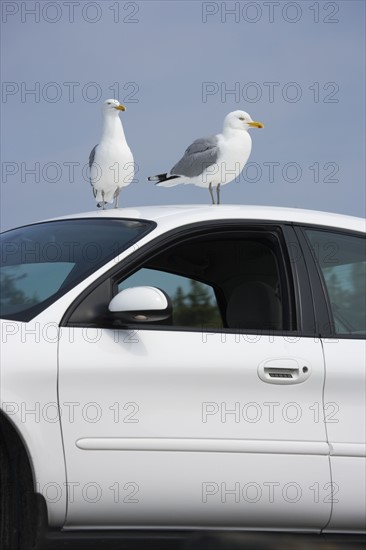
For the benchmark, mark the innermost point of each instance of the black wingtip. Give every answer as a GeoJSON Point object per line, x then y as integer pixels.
{"type": "Point", "coordinates": [159, 178]}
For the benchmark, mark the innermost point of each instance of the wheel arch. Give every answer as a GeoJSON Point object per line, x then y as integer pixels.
{"type": "Point", "coordinates": [22, 452]}
{"type": "Point", "coordinates": [24, 515]}
{"type": "Point", "coordinates": [11, 440]}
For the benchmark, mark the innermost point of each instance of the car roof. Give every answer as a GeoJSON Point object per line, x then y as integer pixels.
{"type": "Point", "coordinates": [172, 216]}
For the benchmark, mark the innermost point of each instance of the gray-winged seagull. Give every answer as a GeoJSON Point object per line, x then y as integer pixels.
{"type": "Point", "coordinates": [214, 161]}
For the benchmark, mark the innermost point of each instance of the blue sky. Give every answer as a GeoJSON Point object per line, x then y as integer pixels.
{"type": "Point", "coordinates": [174, 64]}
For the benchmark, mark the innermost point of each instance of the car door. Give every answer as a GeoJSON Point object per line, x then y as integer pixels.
{"type": "Point", "coordinates": [208, 419]}
{"type": "Point", "coordinates": [340, 269]}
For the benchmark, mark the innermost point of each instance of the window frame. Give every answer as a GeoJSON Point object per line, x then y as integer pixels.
{"type": "Point", "coordinates": [294, 272]}
{"type": "Point", "coordinates": [324, 312]}
{"type": "Point", "coordinates": [219, 295]}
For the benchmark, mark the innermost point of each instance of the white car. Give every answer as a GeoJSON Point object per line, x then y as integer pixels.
{"type": "Point", "coordinates": [183, 367]}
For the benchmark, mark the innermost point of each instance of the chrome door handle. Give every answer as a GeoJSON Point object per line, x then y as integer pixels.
{"type": "Point", "coordinates": [284, 370]}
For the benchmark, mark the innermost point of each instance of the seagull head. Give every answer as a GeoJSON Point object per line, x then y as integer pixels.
{"type": "Point", "coordinates": [113, 106]}
{"type": "Point", "coordinates": [240, 120]}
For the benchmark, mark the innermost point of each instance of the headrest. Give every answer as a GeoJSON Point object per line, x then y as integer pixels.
{"type": "Point", "coordinates": [254, 305]}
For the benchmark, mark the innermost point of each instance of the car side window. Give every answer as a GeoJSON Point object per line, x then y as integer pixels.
{"type": "Point", "coordinates": [342, 262]}
{"type": "Point", "coordinates": [230, 280]}
{"type": "Point", "coordinates": [194, 303]}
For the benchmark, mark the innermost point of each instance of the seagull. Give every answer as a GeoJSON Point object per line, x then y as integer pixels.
{"type": "Point", "coordinates": [110, 161]}
{"type": "Point", "coordinates": [216, 160]}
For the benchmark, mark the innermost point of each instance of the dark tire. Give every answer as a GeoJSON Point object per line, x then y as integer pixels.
{"type": "Point", "coordinates": [19, 506]}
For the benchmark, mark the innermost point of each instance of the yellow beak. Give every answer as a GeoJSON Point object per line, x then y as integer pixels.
{"type": "Point", "coordinates": [256, 124]}
{"type": "Point", "coordinates": [120, 108]}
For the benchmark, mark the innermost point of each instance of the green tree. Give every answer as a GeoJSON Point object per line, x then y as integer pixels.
{"type": "Point", "coordinates": [11, 296]}
{"type": "Point", "coordinates": [347, 295]}
{"type": "Point", "coordinates": [195, 308]}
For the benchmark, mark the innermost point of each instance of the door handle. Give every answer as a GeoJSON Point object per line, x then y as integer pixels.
{"type": "Point", "coordinates": [284, 370]}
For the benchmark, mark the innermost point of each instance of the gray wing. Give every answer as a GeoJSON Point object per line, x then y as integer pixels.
{"type": "Point", "coordinates": [199, 155]}
{"type": "Point", "coordinates": [92, 155]}
{"type": "Point", "coordinates": [91, 160]}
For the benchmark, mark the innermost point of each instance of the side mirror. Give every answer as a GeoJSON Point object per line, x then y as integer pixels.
{"type": "Point", "coordinates": [141, 304]}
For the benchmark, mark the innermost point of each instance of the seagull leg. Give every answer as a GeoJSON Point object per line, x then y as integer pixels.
{"type": "Point", "coordinates": [210, 189]}
{"type": "Point", "coordinates": [103, 207]}
{"type": "Point", "coordinates": [116, 195]}
{"type": "Point", "coordinates": [218, 193]}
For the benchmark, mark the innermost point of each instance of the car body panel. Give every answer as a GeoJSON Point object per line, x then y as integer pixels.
{"type": "Point", "coordinates": [29, 399]}
{"type": "Point", "coordinates": [344, 398]}
{"type": "Point", "coordinates": [170, 216]}
{"type": "Point", "coordinates": [144, 410]}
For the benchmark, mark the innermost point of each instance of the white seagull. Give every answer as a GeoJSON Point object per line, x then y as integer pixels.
{"type": "Point", "coordinates": [216, 160]}
{"type": "Point", "coordinates": [111, 161]}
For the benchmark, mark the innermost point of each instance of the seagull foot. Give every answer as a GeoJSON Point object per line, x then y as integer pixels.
{"type": "Point", "coordinates": [218, 194]}
{"type": "Point", "coordinates": [210, 190]}
{"type": "Point", "coordinates": [116, 195]}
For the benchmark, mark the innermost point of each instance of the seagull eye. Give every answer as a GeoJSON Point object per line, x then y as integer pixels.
{"type": "Point", "coordinates": [241, 118]}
